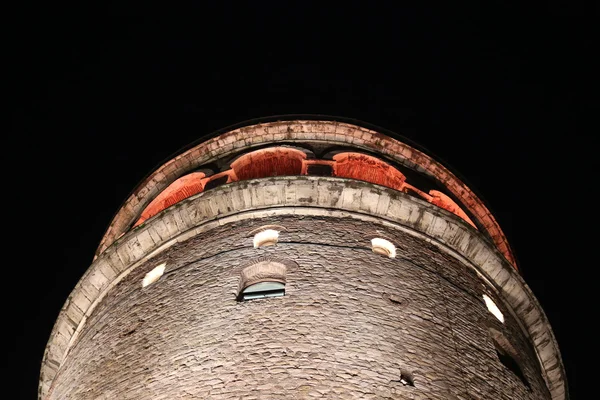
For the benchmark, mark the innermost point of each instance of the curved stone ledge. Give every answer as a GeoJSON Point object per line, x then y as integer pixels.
{"type": "Point", "coordinates": [335, 133]}
{"type": "Point", "coordinates": [266, 197]}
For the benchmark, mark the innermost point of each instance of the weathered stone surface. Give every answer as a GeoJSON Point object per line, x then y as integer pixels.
{"type": "Point", "coordinates": [317, 204]}
{"type": "Point", "coordinates": [336, 334]}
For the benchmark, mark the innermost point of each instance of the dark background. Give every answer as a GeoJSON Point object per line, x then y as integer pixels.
{"type": "Point", "coordinates": [100, 96]}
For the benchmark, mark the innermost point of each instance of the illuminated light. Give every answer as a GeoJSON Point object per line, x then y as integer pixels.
{"type": "Point", "coordinates": [443, 201]}
{"type": "Point", "coordinates": [366, 168]}
{"type": "Point", "coordinates": [493, 308]}
{"type": "Point", "coordinates": [383, 247]}
{"type": "Point", "coordinates": [274, 161]}
{"type": "Point", "coordinates": [154, 275]}
{"type": "Point", "coordinates": [181, 189]}
{"type": "Point", "coordinates": [268, 237]}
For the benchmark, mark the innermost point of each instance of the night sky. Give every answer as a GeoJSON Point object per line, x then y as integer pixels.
{"type": "Point", "coordinates": [102, 96]}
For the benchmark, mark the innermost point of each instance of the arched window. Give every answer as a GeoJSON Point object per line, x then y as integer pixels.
{"type": "Point", "coordinates": [316, 169]}
{"type": "Point", "coordinates": [366, 168]}
{"type": "Point", "coordinates": [216, 182]}
{"type": "Point", "coordinates": [444, 201]}
{"type": "Point", "coordinates": [273, 161]}
{"type": "Point", "coordinates": [264, 277]}
{"type": "Point", "coordinates": [507, 355]}
{"type": "Point", "coordinates": [181, 189]}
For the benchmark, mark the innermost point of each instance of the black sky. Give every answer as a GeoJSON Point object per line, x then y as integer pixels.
{"type": "Point", "coordinates": [101, 95]}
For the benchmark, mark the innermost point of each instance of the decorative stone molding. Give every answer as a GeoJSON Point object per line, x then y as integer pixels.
{"type": "Point", "coordinates": [262, 270]}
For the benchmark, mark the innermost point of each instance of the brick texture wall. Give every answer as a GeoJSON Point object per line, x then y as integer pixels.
{"type": "Point", "coordinates": [350, 321]}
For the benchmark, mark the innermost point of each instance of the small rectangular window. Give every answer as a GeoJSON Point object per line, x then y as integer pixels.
{"type": "Point", "coordinates": [263, 289]}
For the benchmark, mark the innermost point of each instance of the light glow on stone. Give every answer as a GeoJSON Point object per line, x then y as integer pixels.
{"type": "Point", "coordinates": [493, 308]}
{"type": "Point", "coordinates": [268, 237]}
{"type": "Point", "coordinates": [384, 247]}
{"type": "Point", "coordinates": [154, 275]}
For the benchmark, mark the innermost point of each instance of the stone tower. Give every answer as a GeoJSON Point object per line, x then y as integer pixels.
{"type": "Point", "coordinates": [300, 259]}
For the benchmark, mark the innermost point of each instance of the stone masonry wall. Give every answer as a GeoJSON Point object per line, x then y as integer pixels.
{"type": "Point", "coordinates": [350, 321]}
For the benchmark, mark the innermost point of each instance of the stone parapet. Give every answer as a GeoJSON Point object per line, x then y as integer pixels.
{"type": "Point", "coordinates": [299, 131]}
